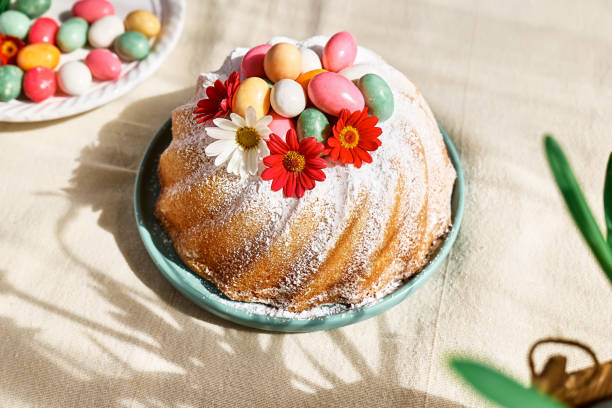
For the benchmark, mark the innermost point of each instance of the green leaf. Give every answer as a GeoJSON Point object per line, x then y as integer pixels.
{"type": "Point", "coordinates": [577, 205]}
{"type": "Point", "coordinates": [499, 388]}
{"type": "Point", "coordinates": [4, 5]}
{"type": "Point", "coordinates": [608, 200]}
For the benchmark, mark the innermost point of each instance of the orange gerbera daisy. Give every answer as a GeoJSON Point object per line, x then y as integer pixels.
{"type": "Point", "coordinates": [354, 135]}
{"type": "Point", "coordinates": [9, 47]}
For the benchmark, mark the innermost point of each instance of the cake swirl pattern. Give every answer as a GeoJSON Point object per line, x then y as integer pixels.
{"type": "Point", "coordinates": [351, 239]}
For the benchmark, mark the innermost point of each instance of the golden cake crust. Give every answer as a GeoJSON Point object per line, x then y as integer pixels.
{"type": "Point", "coordinates": [354, 237]}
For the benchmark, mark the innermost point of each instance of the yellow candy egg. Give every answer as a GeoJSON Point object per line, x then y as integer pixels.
{"type": "Point", "coordinates": [38, 55]}
{"type": "Point", "coordinates": [283, 61]}
{"type": "Point", "coordinates": [254, 92]}
{"type": "Point", "coordinates": [144, 22]}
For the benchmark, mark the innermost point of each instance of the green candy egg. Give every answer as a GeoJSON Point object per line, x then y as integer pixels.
{"type": "Point", "coordinates": [33, 8]}
{"type": "Point", "coordinates": [132, 46]}
{"type": "Point", "coordinates": [313, 123]}
{"type": "Point", "coordinates": [377, 95]}
{"type": "Point", "coordinates": [10, 82]}
{"type": "Point", "coordinates": [15, 23]}
{"type": "Point", "coordinates": [72, 34]}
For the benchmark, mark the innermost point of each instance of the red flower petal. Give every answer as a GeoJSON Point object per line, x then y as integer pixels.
{"type": "Point", "coordinates": [345, 156]}
{"type": "Point", "coordinates": [314, 174]}
{"type": "Point", "coordinates": [299, 187]}
{"type": "Point", "coordinates": [363, 155]}
{"type": "Point", "coordinates": [291, 139]}
{"type": "Point", "coordinates": [273, 160]}
{"type": "Point", "coordinates": [289, 190]}
{"type": "Point", "coordinates": [316, 163]}
{"type": "Point", "coordinates": [281, 181]}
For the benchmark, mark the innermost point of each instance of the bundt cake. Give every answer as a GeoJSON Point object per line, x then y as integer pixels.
{"type": "Point", "coordinates": [354, 236]}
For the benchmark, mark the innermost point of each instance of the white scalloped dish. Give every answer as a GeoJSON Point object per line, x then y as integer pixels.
{"type": "Point", "coordinates": [171, 14]}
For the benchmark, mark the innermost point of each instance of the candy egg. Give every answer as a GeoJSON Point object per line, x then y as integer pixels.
{"type": "Point", "coordinates": [103, 32]}
{"type": "Point", "coordinates": [305, 78]}
{"type": "Point", "coordinates": [354, 72]}
{"type": "Point", "coordinates": [132, 46]}
{"type": "Point", "coordinates": [33, 8]}
{"type": "Point", "coordinates": [283, 61]}
{"type": "Point", "coordinates": [252, 64]}
{"type": "Point", "coordinates": [253, 92]}
{"type": "Point", "coordinates": [92, 10]}
{"type": "Point", "coordinates": [331, 92]}
{"type": "Point", "coordinates": [287, 98]}
{"type": "Point", "coordinates": [72, 34]}
{"type": "Point", "coordinates": [144, 22]}
{"type": "Point", "coordinates": [15, 23]}
{"type": "Point", "coordinates": [39, 83]}
{"type": "Point", "coordinates": [10, 82]}
{"type": "Point", "coordinates": [74, 78]}
{"type": "Point", "coordinates": [377, 96]}
{"type": "Point", "coordinates": [43, 30]}
{"type": "Point", "coordinates": [310, 60]}
{"type": "Point", "coordinates": [313, 123]}
{"type": "Point", "coordinates": [38, 55]}
{"type": "Point", "coordinates": [339, 52]}
{"type": "Point", "coordinates": [103, 64]}
{"type": "Point", "coordinates": [280, 124]}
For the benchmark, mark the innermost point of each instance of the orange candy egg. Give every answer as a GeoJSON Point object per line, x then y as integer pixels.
{"type": "Point", "coordinates": [283, 61]}
{"type": "Point", "coordinates": [254, 92]}
{"type": "Point", "coordinates": [305, 78]}
{"type": "Point", "coordinates": [38, 55]}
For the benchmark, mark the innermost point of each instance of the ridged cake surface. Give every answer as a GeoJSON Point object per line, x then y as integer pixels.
{"type": "Point", "coordinates": [353, 237]}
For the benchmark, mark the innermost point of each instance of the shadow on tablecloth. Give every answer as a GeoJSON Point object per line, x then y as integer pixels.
{"type": "Point", "coordinates": [207, 361]}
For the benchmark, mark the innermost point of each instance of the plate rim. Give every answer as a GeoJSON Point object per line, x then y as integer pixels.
{"type": "Point", "coordinates": [33, 112]}
{"type": "Point", "coordinates": [207, 302]}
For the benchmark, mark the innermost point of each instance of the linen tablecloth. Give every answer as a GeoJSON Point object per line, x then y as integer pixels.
{"type": "Point", "coordinates": [86, 320]}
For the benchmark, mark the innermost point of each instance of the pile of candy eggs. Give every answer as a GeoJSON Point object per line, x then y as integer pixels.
{"type": "Point", "coordinates": [35, 65]}
{"type": "Point", "coordinates": [305, 92]}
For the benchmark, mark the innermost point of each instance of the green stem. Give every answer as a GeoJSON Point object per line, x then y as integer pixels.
{"type": "Point", "coordinates": [577, 205]}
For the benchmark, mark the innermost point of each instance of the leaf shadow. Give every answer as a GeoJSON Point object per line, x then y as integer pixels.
{"type": "Point", "coordinates": [199, 359]}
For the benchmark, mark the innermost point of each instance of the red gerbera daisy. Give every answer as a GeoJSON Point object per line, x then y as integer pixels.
{"type": "Point", "coordinates": [293, 166]}
{"type": "Point", "coordinates": [353, 136]}
{"type": "Point", "coordinates": [219, 102]}
{"type": "Point", "coordinates": [9, 48]}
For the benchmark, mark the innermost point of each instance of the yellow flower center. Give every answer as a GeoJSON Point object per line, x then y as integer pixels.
{"type": "Point", "coordinates": [293, 161]}
{"type": "Point", "coordinates": [349, 137]}
{"type": "Point", "coordinates": [9, 49]}
{"type": "Point", "coordinates": [247, 137]}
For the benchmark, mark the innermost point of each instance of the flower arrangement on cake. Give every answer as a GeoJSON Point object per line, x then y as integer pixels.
{"type": "Point", "coordinates": [292, 110]}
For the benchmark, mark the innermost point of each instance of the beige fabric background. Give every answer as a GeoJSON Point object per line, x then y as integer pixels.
{"type": "Point", "coordinates": [87, 320]}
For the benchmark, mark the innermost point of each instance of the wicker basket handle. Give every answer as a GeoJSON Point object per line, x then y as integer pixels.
{"type": "Point", "coordinates": [556, 340]}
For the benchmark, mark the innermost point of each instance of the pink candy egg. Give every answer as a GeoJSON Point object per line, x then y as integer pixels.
{"type": "Point", "coordinates": [103, 64]}
{"type": "Point", "coordinates": [339, 52]}
{"type": "Point", "coordinates": [280, 125]}
{"type": "Point", "coordinates": [43, 31]}
{"type": "Point", "coordinates": [39, 83]}
{"type": "Point", "coordinates": [331, 92]}
{"type": "Point", "coordinates": [92, 10]}
{"type": "Point", "coordinates": [253, 62]}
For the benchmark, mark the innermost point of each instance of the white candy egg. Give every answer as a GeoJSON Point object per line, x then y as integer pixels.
{"type": "Point", "coordinates": [74, 78]}
{"type": "Point", "coordinates": [310, 60]}
{"type": "Point", "coordinates": [103, 32]}
{"type": "Point", "coordinates": [287, 98]}
{"type": "Point", "coordinates": [356, 71]}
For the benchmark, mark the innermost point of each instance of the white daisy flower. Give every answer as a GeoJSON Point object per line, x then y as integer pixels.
{"type": "Point", "coordinates": [240, 142]}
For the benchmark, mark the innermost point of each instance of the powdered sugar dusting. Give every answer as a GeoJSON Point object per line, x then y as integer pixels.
{"type": "Point", "coordinates": [360, 232]}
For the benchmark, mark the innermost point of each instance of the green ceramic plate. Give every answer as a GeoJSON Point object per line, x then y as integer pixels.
{"type": "Point", "coordinates": [207, 296]}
